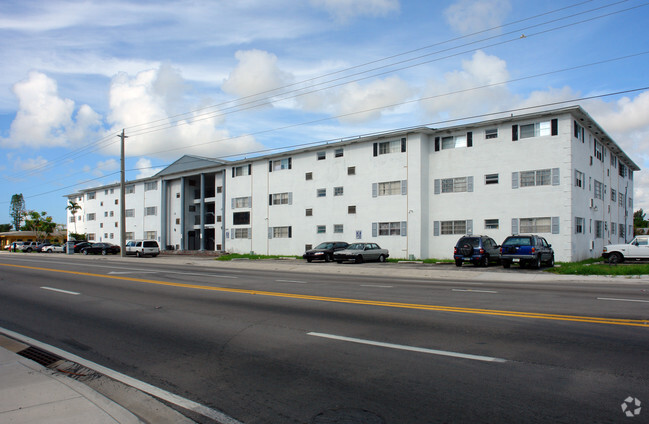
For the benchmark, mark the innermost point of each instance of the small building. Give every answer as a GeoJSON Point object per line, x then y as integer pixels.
{"type": "Point", "coordinates": [556, 173]}
{"type": "Point", "coordinates": [9, 237]}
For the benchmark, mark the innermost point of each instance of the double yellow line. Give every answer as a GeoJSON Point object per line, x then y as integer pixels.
{"type": "Point", "coordinates": [515, 314]}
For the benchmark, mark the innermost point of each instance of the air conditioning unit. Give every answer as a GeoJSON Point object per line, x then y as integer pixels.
{"type": "Point", "coordinates": [592, 244]}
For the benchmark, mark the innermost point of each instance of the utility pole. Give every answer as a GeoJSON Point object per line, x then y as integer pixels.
{"type": "Point", "coordinates": [122, 201]}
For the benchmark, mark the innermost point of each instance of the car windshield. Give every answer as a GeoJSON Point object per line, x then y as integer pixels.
{"type": "Point", "coordinates": [518, 241]}
{"type": "Point", "coordinates": [325, 246]}
{"type": "Point", "coordinates": [473, 241]}
{"type": "Point", "coordinates": [356, 246]}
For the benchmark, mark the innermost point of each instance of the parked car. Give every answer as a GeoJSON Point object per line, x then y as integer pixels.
{"type": "Point", "coordinates": [28, 246]}
{"type": "Point", "coordinates": [637, 249]}
{"type": "Point", "coordinates": [361, 252]}
{"type": "Point", "coordinates": [41, 246]}
{"type": "Point", "coordinates": [18, 244]}
{"type": "Point", "coordinates": [103, 248]}
{"type": "Point", "coordinates": [529, 250]}
{"type": "Point", "coordinates": [53, 248]}
{"type": "Point", "coordinates": [78, 245]}
{"type": "Point", "coordinates": [479, 250]}
{"type": "Point", "coordinates": [142, 247]}
{"type": "Point", "coordinates": [324, 251]}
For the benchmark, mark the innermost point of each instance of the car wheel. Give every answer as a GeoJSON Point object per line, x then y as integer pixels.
{"type": "Point", "coordinates": [359, 259]}
{"type": "Point", "coordinates": [537, 262]}
{"type": "Point", "coordinates": [506, 264]}
{"type": "Point", "coordinates": [104, 252]}
{"type": "Point", "coordinates": [29, 250]}
{"type": "Point", "coordinates": [138, 254]}
{"type": "Point", "coordinates": [381, 258]}
{"type": "Point", "coordinates": [551, 261]}
{"type": "Point", "coordinates": [458, 262]}
{"type": "Point", "coordinates": [49, 250]}
{"type": "Point", "coordinates": [85, 252]}
{"type": "Point", "coordinates": [484, 262]}
{"type": "Point", "coordinates": [616, 258]}
{"type": "Point", "coordinates": [339, 262]}
{"type": "Point", "coordinates": [309, 260]}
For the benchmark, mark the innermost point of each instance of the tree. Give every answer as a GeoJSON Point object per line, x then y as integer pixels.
{"type": "Point", "coordinates": [17, 209]}
{"type": "Point", "coordinates": [40, 223]}
{"type": "Point", "coordinates": [639, 220]}
{"type": "Point", "coordinates": [74, 207]}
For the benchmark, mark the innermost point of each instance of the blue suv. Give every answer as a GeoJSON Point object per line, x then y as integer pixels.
{"type": "Point", "coordinates": [479, 250]}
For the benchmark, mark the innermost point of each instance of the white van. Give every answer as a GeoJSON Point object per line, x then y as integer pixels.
{"type": "Point", "coordinates": [142, 248]}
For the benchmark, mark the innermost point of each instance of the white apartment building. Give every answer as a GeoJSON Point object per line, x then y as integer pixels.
{"type": "Point", "coordinates": [415, 192]}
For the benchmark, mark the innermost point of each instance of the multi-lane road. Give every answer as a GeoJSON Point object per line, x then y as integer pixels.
{"type": "Point", "coordinates": [326, 343]}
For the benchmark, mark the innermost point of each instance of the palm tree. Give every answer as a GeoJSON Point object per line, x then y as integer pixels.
{"type": "Point", "coordinates": [74, 207]}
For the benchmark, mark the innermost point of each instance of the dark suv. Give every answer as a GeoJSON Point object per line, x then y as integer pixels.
{"type": "Point", "coordinates": [479, 250]}
{"type": "Point", "coordinates": [526, 250]}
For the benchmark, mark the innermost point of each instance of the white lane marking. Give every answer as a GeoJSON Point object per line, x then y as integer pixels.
{"type": "Point", "coordinates": [291, 281]}
{"type": "Point", "coordinates": [129, 381]}
{"type": "Point", "coordinates": [170, 272]}
{"type": "Point", "coordinates": [409, 348]}
{"type": "Point", "coordinates": [60, 291]}
{"type": "Point", "coordinates": [623, 300]}
{"type": "Point", "coordinates": [475, 291]}
{"type": "Point", "coordinates": [376, 285]}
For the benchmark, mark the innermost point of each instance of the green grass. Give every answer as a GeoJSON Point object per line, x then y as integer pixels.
{"type": "Point", "coordinates": [600, 267]}
{"type": "Point", "coordinates": [232, 256]}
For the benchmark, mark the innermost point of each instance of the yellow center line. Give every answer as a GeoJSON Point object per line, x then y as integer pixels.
{"type": "Point", "coordinates": [517, 314]}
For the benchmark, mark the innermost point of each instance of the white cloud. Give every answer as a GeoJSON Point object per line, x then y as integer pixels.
{"type": "Point", "coordinates": [257, 72]}
{"type": "Point", "coordinates": [469, 16]}
{"type": "Point", "coordinates": [482, 70]}
{"type": "Point", "coordinates": [44, 119]}
{"type": "Point", "coordinates": [373, 98]}
{"type": "Point", "coordinates": [145, 169]}
{"type": "Point", "coordinates": [344, 10]}
{"type": "Point", "coordinates": [29, 164]}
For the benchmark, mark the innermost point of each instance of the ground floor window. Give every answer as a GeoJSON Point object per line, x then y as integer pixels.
{"type": "Point", "coordinates": [150, 235]}
{"type": "Point", "coordinates": [535, 225]}
{"type": "Point", "coordinates": [242, 233]}
{"type": "Point", "coordinates": [281, 232]}
{"type": "Point", "coordinates": [579, 225]}
{"type": "Point", "coordinates": [389, 228]}
{"type": "Point", "coordinates": [453, 227]}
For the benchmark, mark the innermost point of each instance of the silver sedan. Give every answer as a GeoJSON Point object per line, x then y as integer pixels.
{"type": "Point", "coordinates": [361, 252]}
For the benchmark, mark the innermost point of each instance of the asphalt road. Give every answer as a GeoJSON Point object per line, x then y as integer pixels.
{"type": "Point", "coordinates": [345, 344]}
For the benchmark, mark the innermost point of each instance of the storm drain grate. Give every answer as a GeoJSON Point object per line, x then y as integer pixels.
{"type": "Point", "coordinates": [39, 355]}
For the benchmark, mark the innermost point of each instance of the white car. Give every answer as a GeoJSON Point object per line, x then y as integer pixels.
{"type": "Point", "coordinates": [142, 248]}
{"type": "Point", "coordinates": [637, 249]}
{"type": "Point", "coordinates": [53, 248]}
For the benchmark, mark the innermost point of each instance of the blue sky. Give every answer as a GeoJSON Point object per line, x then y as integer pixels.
{"type": "Point", "coordinates": [223, 78]}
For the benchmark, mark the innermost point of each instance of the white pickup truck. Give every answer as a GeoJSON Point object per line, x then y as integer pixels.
{"type": "Point", "coordinates": [637, 249]}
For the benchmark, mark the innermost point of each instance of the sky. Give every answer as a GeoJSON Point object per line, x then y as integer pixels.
{"type": "Point", "coordinates": [233, 79]}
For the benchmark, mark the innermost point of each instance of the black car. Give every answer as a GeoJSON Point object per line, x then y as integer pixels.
{"type": "Point", "coordinates": [529, 250]}
{"type": "Point", "coordinates": [103, 248]}
{"type": "Point", "coordinates": [324, 251]}
{"type": "Point", "coordinates": [78, 245]}
{"type": "Point", "coordinates": [479, 250]}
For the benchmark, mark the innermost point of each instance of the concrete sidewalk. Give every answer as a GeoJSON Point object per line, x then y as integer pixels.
{"type": "Point", "coordinates": [31, 393]}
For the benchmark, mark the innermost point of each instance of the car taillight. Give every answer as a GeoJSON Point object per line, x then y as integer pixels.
{"type": "Point", "coordinates": [455, 250]}
{"type": "Point", "coordinates": [481, 251]}
{"type": "Point", "coordinates": [501, 250]}
{"type": "Point", "coordinates": [533, 249]}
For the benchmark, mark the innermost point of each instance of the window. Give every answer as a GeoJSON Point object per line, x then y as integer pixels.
{"type": "Point", "coordinates": [279, 164]}
{"type": "Point", "coordinates": [630, 203]}
{"type": "Point", "coordinates": [150, 235]}
{"type": "Point", "coordinates": [111, 213]}
{"type": "Point", "coordinates": [454, 185]}
{"type": "Point", "coordinates": [308, 176]}
{"type": "Point", "coordinates": [152, 185]}
{"type": "Point", "coordinates": [599, 149]}
{"type": "Point", "coordinates": [597, 192]}
{"type": "Point", "coordinates": [579, 225]}
{"type": "Point", "coordinates": [535, 225]}
{"type": "Point", "coordinates": [491, 179]}
{"type": "Point", "coordinates": [241, 218]}
{"type": "Point", "coordinates": [613, 227]}
{"type": "Point", "coordinates": [281, 232]}
{"type": "Point", "coordinates": [241, 171]}
{"type": "Point", "coordinates": [351, 209]}
{"type": "Point", "coordinates": [106, 214]}
{"type": "Point", "coordinates": [129, 235]}
{"type": "Point", "coordinates": [622, 170]}
{"type": "Point", "coordinates": [338, 228]}
{"type": "Point", "coordinates": [242, 233]}
{"type": "Point", "coordinates": [389, 188]}
{"type": "Point", "coordinates": [579, 179]}
{"type": "Point", "coordinates": [578, 131]}
{"type": "Point", "coordinates": [386, 147]}
{"type": "Point", "coordinates": [491, 133]}
{"type": "Point", "coordinates": [106, 192]}
{"type": "Point", "coordinates": [452, 142]}
{"type": "Point", "coordinates": [621, 200]}
{"type": "Point", "coordinates": [338, 191]}
{"type": "Point", "coordinates": [309, 212]}
{"type": "Point", "coordinates": [219, 189]}
{"type": "Point", "coordinates": [101, 203]}
{"type": "Point", "coordinates": [91, 195]}
{"type": "Point", "coordinates": [621, 232]}
{"type": "Point", "coordinates": [453, 227]}
{"type": "Point", "coordinates": [101, 225]}
{"type": "Point", "coordinates": [389, 228]}
{"type": "Point", "coordinates": [130, 213]}
{"type": "Point", "coordinates": [321, 192]}
{"type": "Point", "coordinates": [130, 189]}
{"type": "Point", "coordinates": [339, 153]}
{"type": "Point", "coordinates": [280, 199]}
{"type": "Point", "coordinates": [321, 229]}
{"type": "Point", "coordinates": [491, 224]}
{"type": "Point", "coordinates": [91, 237]}
{"type": "Point", "coordinates": [72, 218]}
{"type": "Point", "coordinates": [177, 221]}
{"type": "Point", "coordinates": [90, 217]}
{"type": "Point", "coordinates": [150, 211]}
{"type": "Point", "coordinates": [598, 229]}
{"type": "Point", "coordinates": [535, 178]}
{"type": "Point", "coordinates": [116, 224]}
{"type": "Point", "coordinates": [322, 155]}
{"type": "Point", "coordinates": [351, 170]}
{"type": "Point", "coordinates": [241, 202]}
{"type": "Point", "coordinates": [538, 129]}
